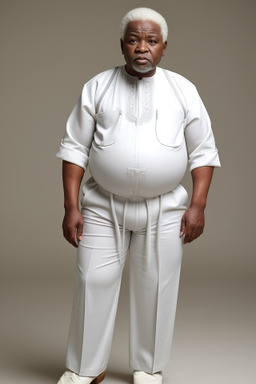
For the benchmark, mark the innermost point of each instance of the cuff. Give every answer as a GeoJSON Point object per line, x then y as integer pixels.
{"type": "Point", "coordinates": [206, 159]}
{"type": "Point", "coordinates": [73, 156]}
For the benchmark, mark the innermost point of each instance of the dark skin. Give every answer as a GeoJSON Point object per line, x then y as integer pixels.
{"type": "Point", "coordinates": [193, 220]}
{"type": "Point", "coordinates": [72, 224]}
{"type": "Point", "coordinates": [143, 48]}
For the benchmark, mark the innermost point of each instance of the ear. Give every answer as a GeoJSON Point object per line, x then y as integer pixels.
{"type": "Point", "coordinates": [122, 45]}
{"type": "Point", "coordinates": [164, 48]}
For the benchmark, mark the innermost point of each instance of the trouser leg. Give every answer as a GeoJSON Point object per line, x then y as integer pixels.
{"type": "Point", "coordinates": [96, 296]}
{"type": "Point", "coordinates": [153, 293]}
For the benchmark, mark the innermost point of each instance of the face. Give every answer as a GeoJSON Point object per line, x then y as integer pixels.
{"type": "Point", "coordinates": [142, 47]}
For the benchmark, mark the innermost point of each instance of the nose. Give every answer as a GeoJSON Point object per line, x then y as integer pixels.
{"type": "Point", "coordinates": [142, 46]}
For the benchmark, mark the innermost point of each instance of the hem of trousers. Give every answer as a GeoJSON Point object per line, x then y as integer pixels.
{"type": "Point", "coordinates": [136, 366]}
{"type": "Point", "coordinates": [74, 367]}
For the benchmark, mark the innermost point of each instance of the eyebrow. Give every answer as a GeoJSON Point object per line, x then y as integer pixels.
{"type": "Point", "coordinates": [151, 34]}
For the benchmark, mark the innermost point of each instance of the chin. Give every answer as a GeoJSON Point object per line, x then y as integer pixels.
{"type": "Point", "coordinates": [143, 70]}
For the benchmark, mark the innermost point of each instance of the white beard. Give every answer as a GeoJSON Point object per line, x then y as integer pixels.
{"type": "Point", "coordinates": [143, 70]}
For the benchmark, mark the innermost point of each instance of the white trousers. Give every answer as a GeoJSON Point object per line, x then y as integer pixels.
{"type": "Point", "coordinates": [150, 230]}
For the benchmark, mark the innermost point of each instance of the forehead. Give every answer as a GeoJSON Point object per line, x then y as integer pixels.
{"type": "Point", "coordinates": [148, 27]}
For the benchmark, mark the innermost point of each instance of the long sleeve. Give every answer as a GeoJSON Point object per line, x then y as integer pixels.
{"type": "Point", "coordinates": [76, 143]}
{"type": "Point", "coordinates": [199, 136]}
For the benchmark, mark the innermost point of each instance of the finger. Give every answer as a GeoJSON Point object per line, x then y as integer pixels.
{"type": "Point", "coordinates": [79, 232]}
{"type": "Point", "coordinates": [70, 236]}
{"type": "Point", "coordinates": [72, 240]}
{"type": "Point", "coordinates": [188, 234]}
{"type": "Point", "coordinates": [186, 239]}
{"type": "Point", "coordinates": [194, 234]}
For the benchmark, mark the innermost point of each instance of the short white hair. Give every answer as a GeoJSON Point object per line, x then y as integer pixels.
{"type": "Point", "coordinates": [144, 14]}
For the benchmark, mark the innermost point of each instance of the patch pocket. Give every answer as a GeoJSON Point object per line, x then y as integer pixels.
{"type": "Point", "coordinates": [107, 127]}
{"type": "Point", "coordinates": [170, 127]}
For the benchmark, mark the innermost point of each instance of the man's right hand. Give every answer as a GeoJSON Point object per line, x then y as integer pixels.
{"type": "Point", "coordinates": [72, 226]}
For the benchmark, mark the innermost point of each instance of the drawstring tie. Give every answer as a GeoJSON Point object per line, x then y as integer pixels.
{"type": "Point", "coordinates": [148, 235]}
{"type": "Point", "coordinates": [159, 222]}
{"type": "Point", "coordinates": [121, 238]}
{"type": "Point", "coordinates": [158, 231]}
{"type": "Point", "coordinates": [124, 220]}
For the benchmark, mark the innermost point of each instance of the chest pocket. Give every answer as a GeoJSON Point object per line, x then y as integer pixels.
{"type": "Point", "coordinates": [107, 127]}
{"type": "Point", "coordinates": [170, 127]}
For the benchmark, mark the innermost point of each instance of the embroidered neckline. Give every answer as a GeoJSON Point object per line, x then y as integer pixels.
{"type": "Point", "coordinates": [139, 98]}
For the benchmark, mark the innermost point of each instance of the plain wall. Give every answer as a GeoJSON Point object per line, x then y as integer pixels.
{"type": "Point", "coordinates": [49, 49]}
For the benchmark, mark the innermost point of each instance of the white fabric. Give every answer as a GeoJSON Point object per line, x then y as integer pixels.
{"type": "Point", "coordinates": [153, 287]}
{"type": "Point", "coordinates": [138, 138]}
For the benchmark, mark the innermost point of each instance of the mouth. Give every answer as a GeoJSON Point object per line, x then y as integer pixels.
{"type": "Point", "coordinates": [141, 60]}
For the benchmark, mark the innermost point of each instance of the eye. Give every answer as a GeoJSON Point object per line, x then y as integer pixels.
{"type": "Point", "coordinates": [152, 42]}
{"type": "Point", "coordinates": [132, 41]}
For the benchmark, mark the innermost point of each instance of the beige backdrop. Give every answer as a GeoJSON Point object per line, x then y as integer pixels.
{"type": "Point", "coordinates": [50, 48]}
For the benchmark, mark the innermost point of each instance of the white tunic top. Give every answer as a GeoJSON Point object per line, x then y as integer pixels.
{"type": "Point", "coordinates": [137, 136]}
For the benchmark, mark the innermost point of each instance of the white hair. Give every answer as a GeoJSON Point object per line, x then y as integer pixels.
{"type": "Point", "coordinates": [144, 14]}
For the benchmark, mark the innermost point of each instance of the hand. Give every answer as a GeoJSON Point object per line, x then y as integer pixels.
{"type": "Point", "coordinates": [73, 226]}
{"type": "Point", "coordinates": [192, 224]}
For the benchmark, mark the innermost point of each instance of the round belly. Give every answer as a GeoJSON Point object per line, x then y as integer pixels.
{"type": "Point", "coordinates": [136, 170]}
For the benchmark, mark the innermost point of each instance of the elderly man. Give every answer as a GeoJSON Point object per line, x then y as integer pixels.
{"type": "Point", "coordinates": [136, 127]}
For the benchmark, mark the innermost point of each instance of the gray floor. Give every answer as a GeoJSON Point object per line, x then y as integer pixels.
{"type": "Point", "coordinates": [214, 341]}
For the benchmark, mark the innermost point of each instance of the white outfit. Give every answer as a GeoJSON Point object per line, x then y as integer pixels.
{"type": "Point", "coordinates": [137, 137]}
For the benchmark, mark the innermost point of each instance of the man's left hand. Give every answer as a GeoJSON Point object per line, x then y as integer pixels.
{"type": "Point", "coordinates": [192, 224]}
